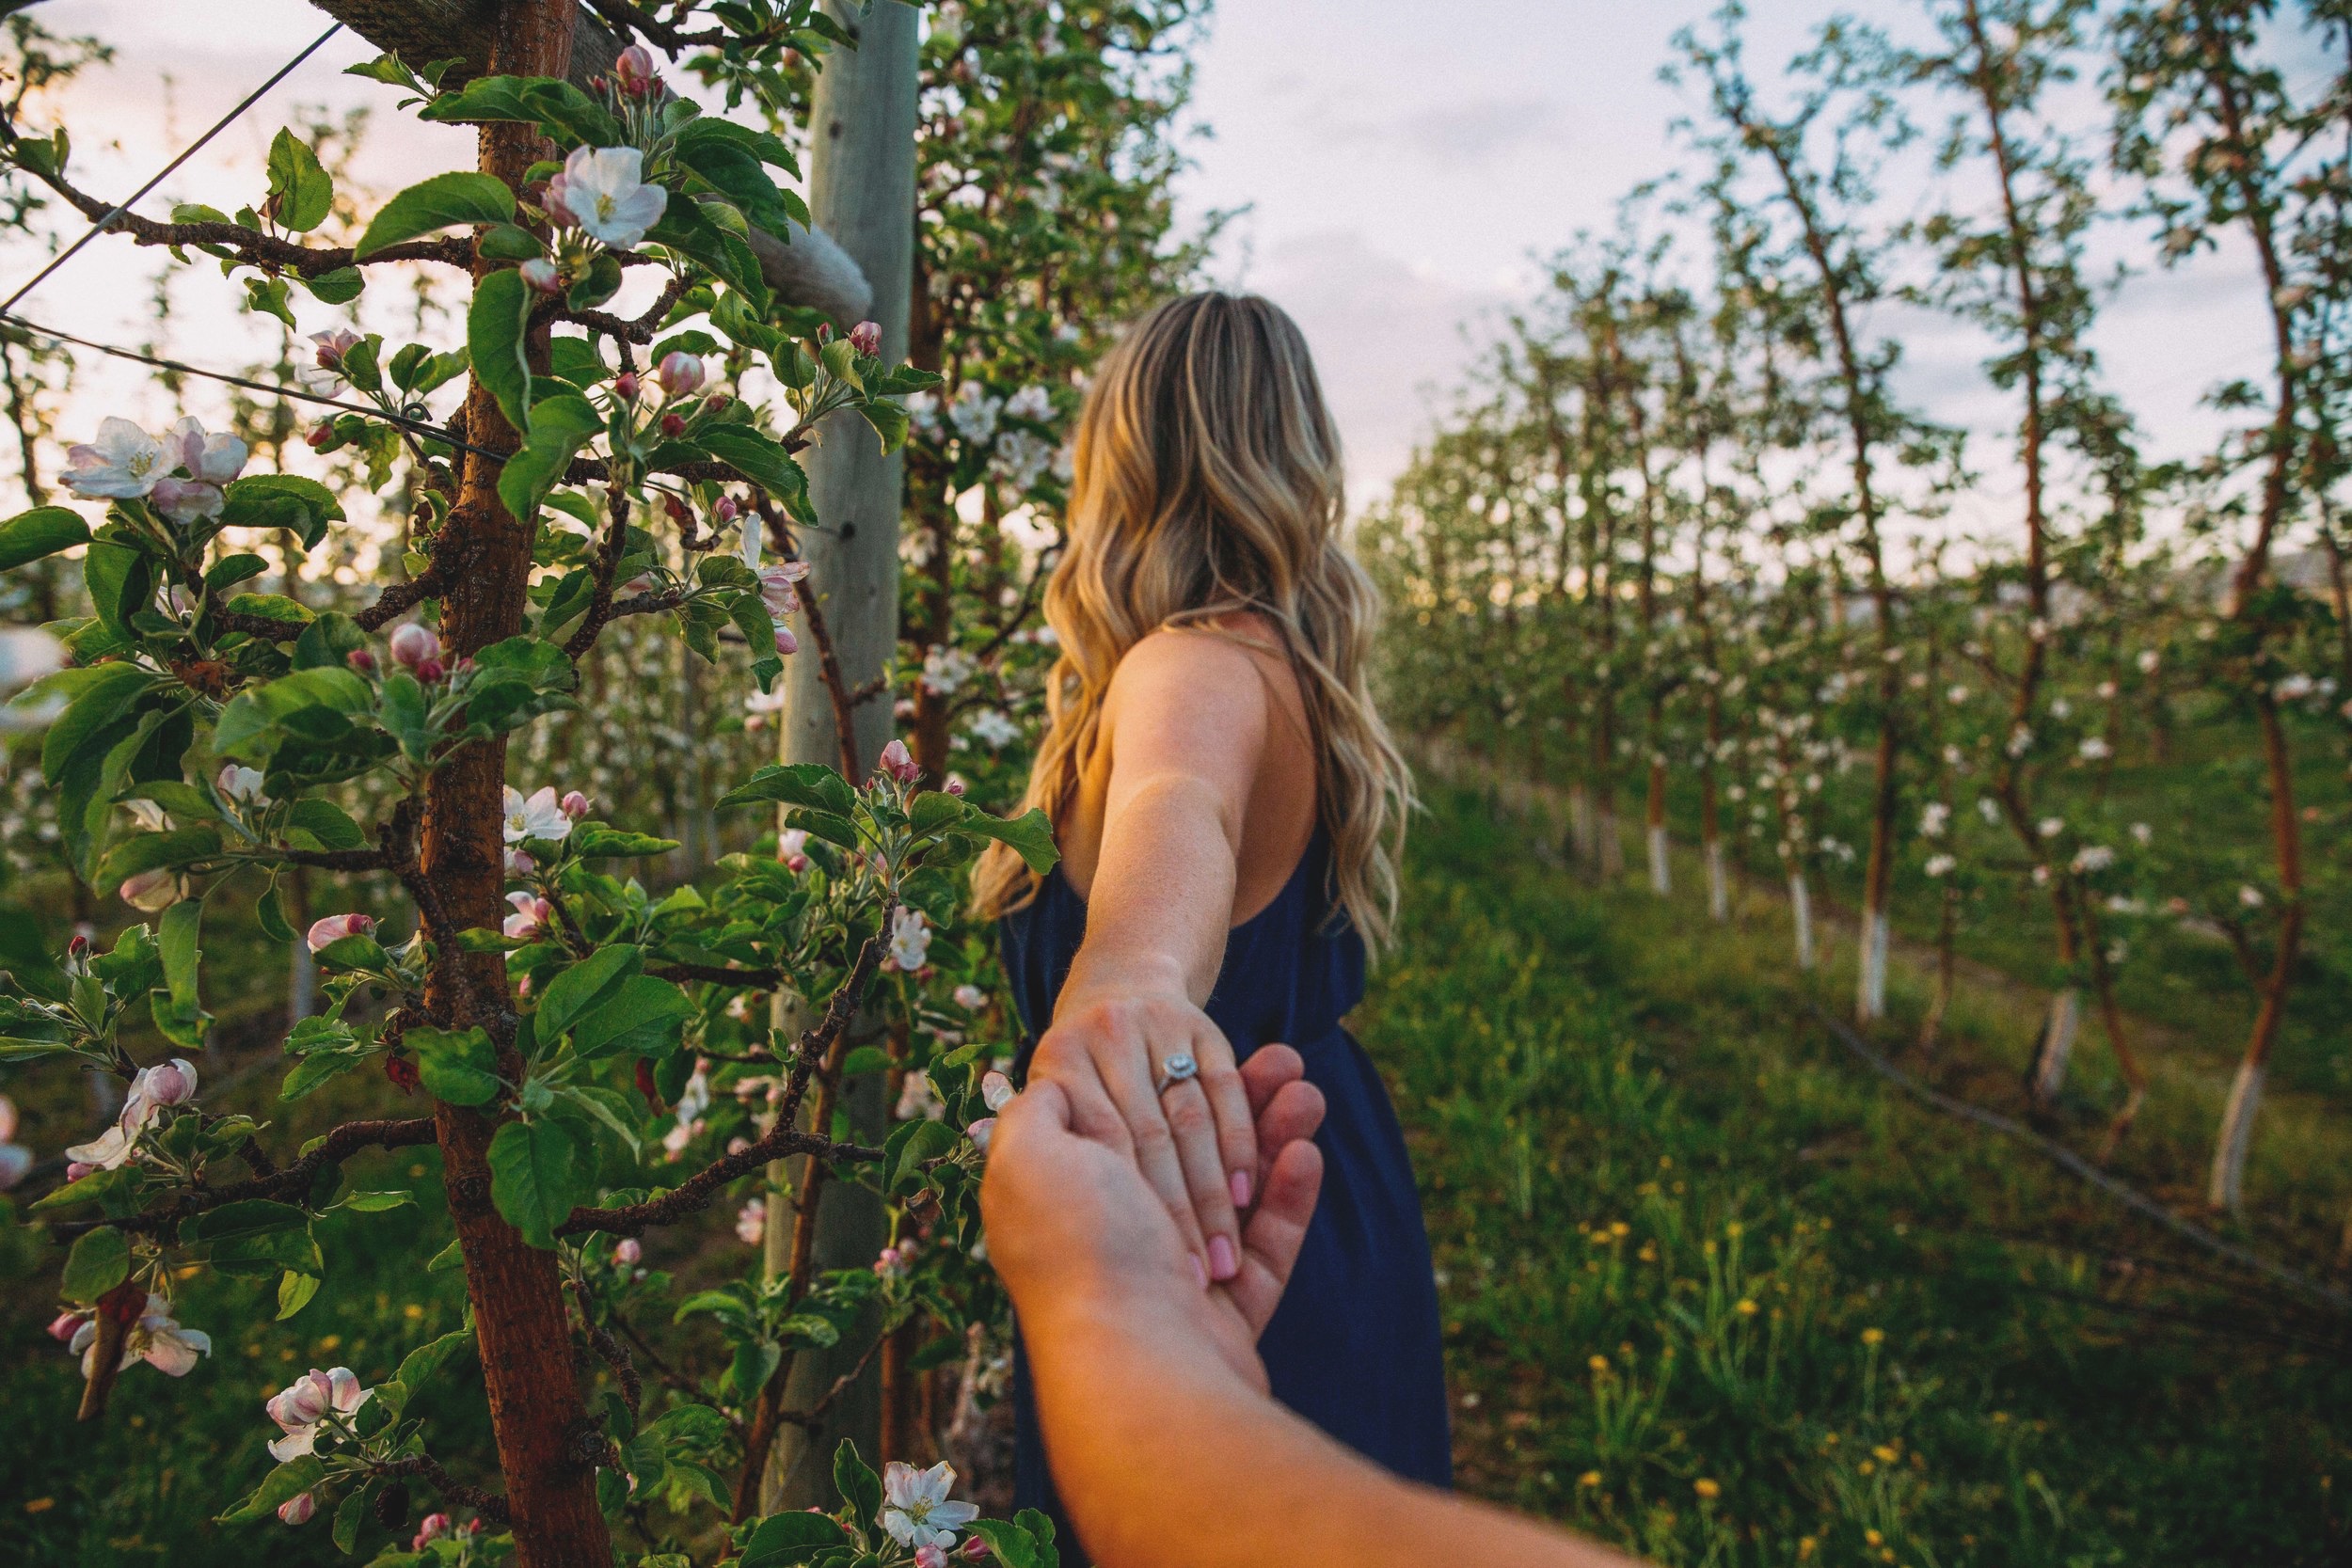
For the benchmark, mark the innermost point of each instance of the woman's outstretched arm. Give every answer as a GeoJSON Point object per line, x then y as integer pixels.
{"type": "Point", "coordinates": [1187, 718]}
{"type": "Point", "coordinates": [1164, 1450]}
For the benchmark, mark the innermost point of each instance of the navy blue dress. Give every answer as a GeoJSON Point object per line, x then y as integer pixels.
{"type": "Point", "coordinates": [1353, 1346]}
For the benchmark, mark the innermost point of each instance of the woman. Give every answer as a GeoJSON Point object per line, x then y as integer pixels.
{"type": "Point", "coordinates": [1230, 810]}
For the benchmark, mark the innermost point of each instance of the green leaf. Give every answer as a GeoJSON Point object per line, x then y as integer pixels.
{"type": "Point", "coordinates": [1014, 1546]}
{"type": "Point", "coordinates": [757, 457]}
{"type": "Point", "coordinates": [640, 1015]}
{"type": "Point", "coordinates": [328, 825]}
{"type": "Point", "coordinates": [281, 500]}
{"type": "Point", "coordinates": [1030, 836]}
{"type": "Point", "coordinates": [351, 1517]}
{"type": "Point", "coordinates": [301, 188]}
{"type": "Point", "coordinates": [100, 1261]}
{"type": "Point", "coordinates": [594, 839]}
{"type": "Point", "coordinates": [285, 1483]}
{"type": "Point", "coordinates": [539, 1173]}
{"type": "Point", "coordinates": [294, 1291]}
{"type": "Point", "coordinates": [154, 851]}
{"type": "Point", "coordinates": [583, 986]}
{"type": "Point", "coordinates": [494, 339]}
{"type": "Point", "coordinates": [43, 530]}
{"type": "Point", "coordinates": [560, 426]}
{"type": "Point", "coordinates": [826, 825]}
{"type": "Point", "coordinates": [340, 287]}
{"type": "Point", "coordinates": [800, 784]}
{"type": "Point", "coordinates": [506, 243]}
{"type": "Point", "coordinates": [458, 1067]}
{"type": "Point", "coordinates": [102, 700]}
{"type": "Point", "coordinates": [788, 1540]}
{"type": "Point", "coordinates": [859, 1486]}
{"type": "Point", "coordinates": [910, 1146]}
{"type": "Point", "coordinates": [443, 202]}
{"type": "Point", "coordinates": [271, 297]}
{"type": "Point", "coordinates": [272, 607]}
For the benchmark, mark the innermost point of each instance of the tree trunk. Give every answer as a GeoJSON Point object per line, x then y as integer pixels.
{"type": "Point", "coordinates": [1800, 912]}
{"type": "Point", "coordinates": [2225, 1191]}
{"type": "Point", "coordinates": [2058, 1044]}
{"type": "Point", "coordinates": [862, 191]}
{"type": "Point", "coordinates": [548, 1446]}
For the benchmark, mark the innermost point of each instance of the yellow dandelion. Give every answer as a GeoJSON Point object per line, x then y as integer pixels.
{"type": "Point", "coordinates": [1886, 1554]}
{"type": "Point", "coordinates": [1735, 1228]}
{"type": "Point", "coordinates": [1867, 1467]}
{"type": "Point", "coordinates": [1618, 1228]}
{"type": "Point", "coordinates": [413, 1312]}
{"type": "Point", "coordinates": [1884, 1454]}
{"type": "Point", "coordinates": [1598, 1363]}
{"type": "Point", "coordinates": [2000, 1417]}
{"type": "Point", "coordinates": [1875, 1336]}
{"type": "Point", "coordinates": [39, 1505]}
{"type": "Point", "coordinates": [1746, 1308]}
{"type": "Point", "coordinates": [1707, 1489]}
{"type": "Point", "coordinates": [1590, 1478]}
{"type": "Point", "coordinates": [1871, 1537]}
{"type": "Point", "coordinates": [1708, 1247]}
{"type": "Point", "coordinates": [330, 1341]}
{"type": "Point", "coordinates": [1806, 1546]}
{"type": "Point", "coordinates": [1648, 1253]}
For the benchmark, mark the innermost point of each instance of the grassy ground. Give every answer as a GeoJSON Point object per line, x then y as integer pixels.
{"type": "Point", "coordinates": [1713, 1294]}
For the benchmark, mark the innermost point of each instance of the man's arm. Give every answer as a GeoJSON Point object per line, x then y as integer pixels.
{"type": "Point", "coordinates": [1165, 1453]}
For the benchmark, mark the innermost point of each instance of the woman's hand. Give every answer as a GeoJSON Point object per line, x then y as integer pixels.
{"type": "Point", "coordinates": [1073, 1227]}
{"type": "Point", "coordinates": [1194, 1142]}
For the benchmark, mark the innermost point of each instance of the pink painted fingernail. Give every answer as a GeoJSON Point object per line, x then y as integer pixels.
{"type": "Point", "coordinates": [1200, 1275]}
{"type": "Point", "coordinates": [1222, 1263]}
{"type": "Point", "coordinates": [1241, 1189]}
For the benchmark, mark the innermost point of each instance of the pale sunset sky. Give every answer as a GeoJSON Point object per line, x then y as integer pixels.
{"type": "Point", "coordinates": [1403, 166]}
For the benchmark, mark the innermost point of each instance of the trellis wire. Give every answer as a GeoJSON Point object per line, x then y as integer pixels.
{"type": "Point", "coordinates": [165, 173]}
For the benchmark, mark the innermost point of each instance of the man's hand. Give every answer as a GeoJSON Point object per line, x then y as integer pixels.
{"type": "Point", "coordinates": [1073, 1226]}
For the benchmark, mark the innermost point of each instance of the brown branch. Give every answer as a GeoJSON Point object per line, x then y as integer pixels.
{"type": "Point", "coordinates": [639, 329]}
{"type": "Point", "coordinates": [293, 1181]}
{"type": "Point", "coordinates": [489, 1505]}
{"type": "Point", "coordinates": [611, 1350]}
{"type": "Point", "coordinates": [816, 1413]}
{"type": "Point", "coordinates": [782, 1140]}
{"type": "Point", "coordinates": [671, 1377]}
{"type": "Point", "coordinates": [252, 246]}
{"type": "Point", "coordinates": [400, 597]}
{"type": "Point", "coordinates": [267, 628]}
{"type": "Point", "coordinates": [828, 661]}
{"type": "Point", "coordinates": [647, 604]}
{"type": "Point", "coordinates": [607, 561]}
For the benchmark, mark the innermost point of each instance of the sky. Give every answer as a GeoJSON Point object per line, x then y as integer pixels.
{"type": "Point", "coordinates": [1401, 168]}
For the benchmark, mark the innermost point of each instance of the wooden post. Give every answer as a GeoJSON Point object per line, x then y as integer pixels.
{"type": "Point", "coordinates": [862, 192]}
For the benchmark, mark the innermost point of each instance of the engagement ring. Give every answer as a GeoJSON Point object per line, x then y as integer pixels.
{"type": "Point", "coordinates": [1177, 1070]}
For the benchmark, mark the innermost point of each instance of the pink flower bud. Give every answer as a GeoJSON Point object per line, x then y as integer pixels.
{"type": "Point", "coordinates": [715, 401]}
{"type": "Point", "coordinates": [433, 1529]}
{"type": "Point", "coordinates": [925, 1556]}
{"type": "Point", "coordinates": [151, 891]}
{"type": "Point", "coordinates": [519, 864]}
{"type": "Point", "coordinates": [975, 1549]}
{"type": "Point", "coordinates": [333, 345]}
{"type": "Point", "coordinates": [866, 336]}
{"type": "Point", "coordinates": [326, 933]}
{"type": "Point", "coordinates": [430, 671]}
{"type": "Point", "coordinates": [633, 71]}
{"type": "Point", "coordinates": [897, 762]}
{"type": "Point", "coordinates": [171, 1083]}
{"type": "Point", "coordinates": [412, 644]}
{"type": "Point", "coordinates": [321, 434]}
{"type": "Point", "coordinates": [559, 211]}
{"type": "Point", "coordinates": [824, 333]}
{"type": "Point", "coordinates": [629, 1252]}
{"type": "Point", "coordinates": [541, 274]}
{"type": "Point", "coordinates": [78, 947]}
{"type": "Point", "coordinates": [979, 1132]}
{"type": "Point", "coordinates": [298, 1510]}
{"type": "Point", "coordinates": [672, 425]}
{"type": "Point", "coordinates": [574, 804]}
{"type": "Point", "coordinates": [361, 661]}
{"type": "Point", "coordinates": [727, 511]}
{"type": "Point", "coordinates": [76, 1169]}
{"type": "Point", "coordinates": [65, 1326]}
{"type": "Point", "coordinates": [786, 643]}
{"type": "Point", "coordinates": [680, 372]}
{"type": "Point", "coordinates": [954, 784]}
{"type": "Point", "coordinates": [624, 386]}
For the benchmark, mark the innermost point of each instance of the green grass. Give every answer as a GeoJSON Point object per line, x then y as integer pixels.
{"type": "Point", "coordinates": [1713, 1293]}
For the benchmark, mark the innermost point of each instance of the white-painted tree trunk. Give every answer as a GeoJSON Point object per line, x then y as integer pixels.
{"type": "Point", "coordinates": [1718, 884]}
{"type": "Point", "coordinates": [1661, 870]}
{"type": "Point", "coordinates": [1870, 984]}
{"type": "Point", "coordinates": [1801, 912]}
{"type": "Point", "coordinates": [1612, 847]}
{"type": "Point", "coordinates": [2058, 1044]}
{"type": "Point", "coordinates": [302, 983]}
{"type": "Point", "coordinates": [2228, 1187]}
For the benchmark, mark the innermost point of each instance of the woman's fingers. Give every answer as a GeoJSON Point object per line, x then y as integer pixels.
{"type": "Point", "coordinates": [1198, 1149]}
{"type": "Point", "coordinates": [1276, 1230]}
{"type": "Point", "coordinates": [1131, 1087]}
{"type": "Point", "coordinates": [1236, 1127]}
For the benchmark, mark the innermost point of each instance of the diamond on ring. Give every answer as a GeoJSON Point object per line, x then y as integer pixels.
{"type": "Point", "coordinates": [1177, 1070]}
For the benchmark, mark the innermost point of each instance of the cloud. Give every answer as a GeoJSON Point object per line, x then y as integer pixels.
{"type": "Point", "coordinates": [1455, 133]}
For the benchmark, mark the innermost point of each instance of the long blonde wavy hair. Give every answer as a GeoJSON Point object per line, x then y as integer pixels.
{"type": "Point", "coordinates": [1208, 485]}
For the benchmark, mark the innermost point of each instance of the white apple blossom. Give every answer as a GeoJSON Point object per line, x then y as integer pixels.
{"type": "Point", "coordinates": [1034, 404]}
{"type": "Point", "coordinates": [2094, 857]}
{"type": "Point", "coordinates": [1941, 865]}
{"type": "Point", "coordinates": [241, 786]}
{"type": "Point", "coordinates": [915, 1509]}
{"type": "Point", "coordinates": [122, 464]}
{"type": "Point", "coordinates": [2096, 748]}
{"type": "Point", "coordinates": [604, 191]}
{"type": "Point", "coordinates": [155, 1339]}
{"type": "Point", "coordinates": [974, 413]}
{"type": "Point", "coordinates": [992, 729]}
{"type": "Point", "coordinates": [970, 997]}
{"type": "Point", "coordinates": [910, 939]}
{"type": "Point", "coordinates": [2141, 832]}
{"type": "Point", "coordinates": [539, 814]}
{"type": "Point", "coordinates": [2050, 827]}
{"type": "Point", "coordinates": [750, 1222]}
{"type": "Point", "coordinates": [531, 917]}
{"type": "Point", "coordinates": [303, 1409]}
{"type": "Point", "coordinates": [1935, 818]}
